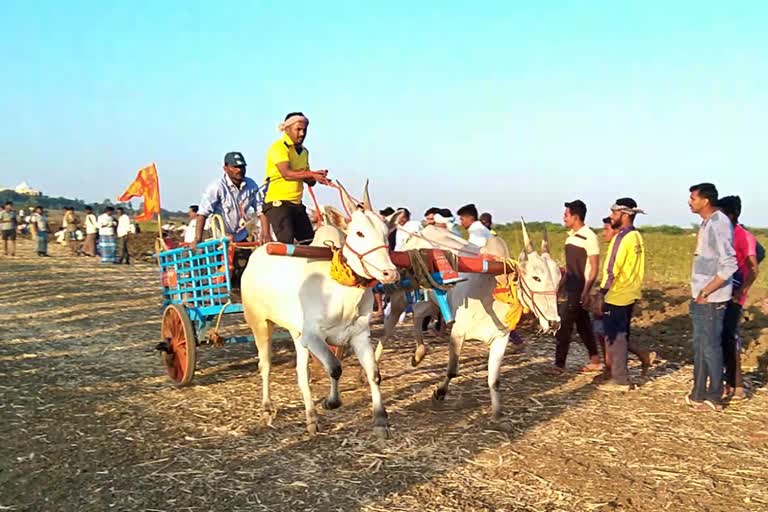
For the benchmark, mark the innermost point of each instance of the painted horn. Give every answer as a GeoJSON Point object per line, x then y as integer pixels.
{"type": "Point", "coordinates": [545, 241]}
{"type": "Point", "coordinates": [526, 239]}
{"type": "Point", "coordinates": [349, 204]}
{"type": "Point", "coordinates": [366, 198]}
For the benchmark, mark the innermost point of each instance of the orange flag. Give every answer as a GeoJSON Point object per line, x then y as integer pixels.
{"type": "Point", "coordinates": [145, 185]}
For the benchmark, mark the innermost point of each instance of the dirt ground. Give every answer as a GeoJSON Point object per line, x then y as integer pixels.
{"type": "Point", "coordinates": [89, 421]}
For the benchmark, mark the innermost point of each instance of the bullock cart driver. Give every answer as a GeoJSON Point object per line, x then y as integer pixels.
{"type": "Point", "coordinates": [231, 196]}
{"type": "Point", "coordinates": [287, 171]}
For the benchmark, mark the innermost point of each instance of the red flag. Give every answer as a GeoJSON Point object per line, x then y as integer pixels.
{"type": "Point", "coordinates": [145, 185]}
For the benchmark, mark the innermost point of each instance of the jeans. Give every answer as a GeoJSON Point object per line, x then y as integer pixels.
{"type": "Point", "coordinates": [731, 349]}
{"type": "Point", "coordinates": [707, 350]}
{"type": "Point", "coordinates": [616, 322]}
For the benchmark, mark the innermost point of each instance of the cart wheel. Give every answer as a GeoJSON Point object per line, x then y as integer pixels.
{"type": "Point", "coordinates": [178, 333]}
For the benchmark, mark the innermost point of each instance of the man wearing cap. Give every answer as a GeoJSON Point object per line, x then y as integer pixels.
{"type": "Point", "coordinates": [287, 171]}
{"type": "Point", "coordinates": [230, 196]}
{"type": "Point", "coordinates": [582, 251]}
{"type": "Point", "coordinates": [620, 288]}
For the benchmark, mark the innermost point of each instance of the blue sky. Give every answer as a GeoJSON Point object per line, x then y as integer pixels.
{"type": "Point", "coordinates": [515, 106]}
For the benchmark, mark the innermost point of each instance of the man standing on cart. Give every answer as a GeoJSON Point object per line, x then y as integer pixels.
{"type": "Point", "coordinates": [231, 196]}
{"type": "Point", "coordinates": [287, 171]}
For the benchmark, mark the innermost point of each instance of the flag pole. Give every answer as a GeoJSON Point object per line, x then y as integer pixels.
{"type": "Point", "coordinates": [159, 215]}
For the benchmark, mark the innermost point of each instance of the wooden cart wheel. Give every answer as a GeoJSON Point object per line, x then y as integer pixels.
{"type": "Point", "coordinates": [178, 333]}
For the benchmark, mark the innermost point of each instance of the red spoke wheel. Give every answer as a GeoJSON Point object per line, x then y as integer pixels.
{"type": "Point", "coordinates": [178, 332]}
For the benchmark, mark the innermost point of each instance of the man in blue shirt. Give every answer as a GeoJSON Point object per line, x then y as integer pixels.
{"type": "Point", "coordinates": [231, 196]}
{"type": "Point", "coordinates": [714, 263]}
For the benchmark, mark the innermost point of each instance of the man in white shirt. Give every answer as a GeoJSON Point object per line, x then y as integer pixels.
{"type": "Point", "coordinates": [478, 234]}
{"type": "Point", "coordinates": [91, 230]}
{"type": "Point", "coordinates": [123, 230]}
{"type": "Point", "coordinates": [405, 229]}
{"type": "Point", "coordinates": [107, 240]}
{"type": "Point", "coordinates": [191, 229]}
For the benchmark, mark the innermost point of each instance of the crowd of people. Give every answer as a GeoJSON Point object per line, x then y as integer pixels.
{"type": "Point", "coordinates": [105, 236]}
{"type": "Point", "coordinates": [597, 300]}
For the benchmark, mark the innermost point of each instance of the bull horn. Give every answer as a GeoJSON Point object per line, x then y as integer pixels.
{"type": "Point", "coordinates": [526, 239]}
{"type": "Point", "coordinates": [545, 241]}
{"type": "Point", "coordinates": [366, 198]}
{"type": "Point", "coordinates": [349, 204]}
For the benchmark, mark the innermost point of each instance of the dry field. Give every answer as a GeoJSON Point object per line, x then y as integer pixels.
{"type": "Point", "coordinates": [90, 423]}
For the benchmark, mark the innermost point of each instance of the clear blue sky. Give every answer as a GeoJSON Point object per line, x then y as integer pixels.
{"type": "Point", "coordinates": [515, 106]}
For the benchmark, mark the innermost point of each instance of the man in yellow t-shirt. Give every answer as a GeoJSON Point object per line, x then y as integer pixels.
{"type": "Point", "coordinates": [620, 287]}
{"type": "Point", "coordinates": [287, 171]}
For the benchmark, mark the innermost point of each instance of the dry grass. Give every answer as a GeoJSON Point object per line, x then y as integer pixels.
{"type": "Point", "coordinates": [89, 421]}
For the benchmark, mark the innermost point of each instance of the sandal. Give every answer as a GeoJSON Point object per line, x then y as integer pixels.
{"type": "Point", "coordinates": [716, 407]}
{"type": "Point", "coordinates": [591, 368]}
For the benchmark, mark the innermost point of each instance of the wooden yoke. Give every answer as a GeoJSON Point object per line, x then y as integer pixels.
{"type": "Point", "coordinates": [437, 260]}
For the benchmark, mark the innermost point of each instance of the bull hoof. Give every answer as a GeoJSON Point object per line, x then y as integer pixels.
{"type": "Point", "coordinates": [438, 395]}
{"type": "Point", "coordinates": [330, 404]}
{"type": "Point", "coordinates": [312, 429]}
{"type": "Point", "coordinates": [419, 355]}
{"type": "Point", "coordinates": [501, 425]}
{"type": "Point", "coordinates": [267, 417]}
{"type": "Point", "coordinates": [382, 432]}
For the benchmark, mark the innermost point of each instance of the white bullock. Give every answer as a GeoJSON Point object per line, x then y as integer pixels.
{"type": "Point", "coordinates": [300, 295]}
{"type": "Point", "coordinates": [479, 317]}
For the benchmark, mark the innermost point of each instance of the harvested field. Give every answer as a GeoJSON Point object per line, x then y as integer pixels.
{"type": "Point", "coordinates": [91, 423]}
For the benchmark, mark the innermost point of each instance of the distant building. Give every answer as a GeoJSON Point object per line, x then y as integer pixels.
{"type": "Point", "coordinates": [24, 188]}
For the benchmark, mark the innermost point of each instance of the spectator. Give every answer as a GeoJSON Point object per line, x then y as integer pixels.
{"type": "Point", "coordinates": [39, 223]}
{"type": "Point", "coordinates": [478, 233]}
{"type": "Point", "coordinates": [714, 264]}
{"type": "Point", "coordinates": [91, 230]}
{"type": "Point", "coordinates": [487, 221]}
{"type": "Point", "coordinates": [71, 223]}
{"type": "Point", "coordinates": [8, 223]}
{"type": "Point", "coordinates": [405, 229]}
{"type": "Point", "coordinates": [443, 218]}
{"type": "Point", "coordinates": [429, 216]}
{"type": "Point", "coordinates": [189, 232]}
{"type": "Point", "coordinates": [620, 287]}
{"type": "Point", "coordinates": [645, 356]}
{"type": "Point", "coordinates": [745, 246]}
{"type": "Point", "coordinates": [582, 251]}
{"type": "Point", "coordinates": [107, 241]}
{"type": "Point", "coordinates": [123, 232]}
{"type": "Point", "coordinates": [392, 238]}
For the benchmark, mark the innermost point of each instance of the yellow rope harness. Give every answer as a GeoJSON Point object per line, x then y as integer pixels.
{"type": "Point", "coordinates": [343, 274]}
{"type": "Point", "coordinates": [506, 293]}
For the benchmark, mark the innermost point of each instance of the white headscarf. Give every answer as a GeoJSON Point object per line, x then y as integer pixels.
{"type": "Point", "coordinates": [290, 121]}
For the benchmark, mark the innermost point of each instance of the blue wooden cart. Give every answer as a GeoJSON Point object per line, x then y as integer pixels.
{"type": "Point", "coordinates": [197, 293]}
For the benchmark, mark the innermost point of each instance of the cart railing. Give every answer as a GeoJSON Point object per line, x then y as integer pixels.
{"type": "Point", "coordinates": [199, 278]}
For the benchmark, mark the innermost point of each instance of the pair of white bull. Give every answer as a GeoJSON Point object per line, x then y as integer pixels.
{"type": "Point", "coordinates": [299, 295]}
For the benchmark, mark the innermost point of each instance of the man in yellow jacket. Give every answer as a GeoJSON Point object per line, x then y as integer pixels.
{"type": "Point", "coordinates": [620, 287]}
